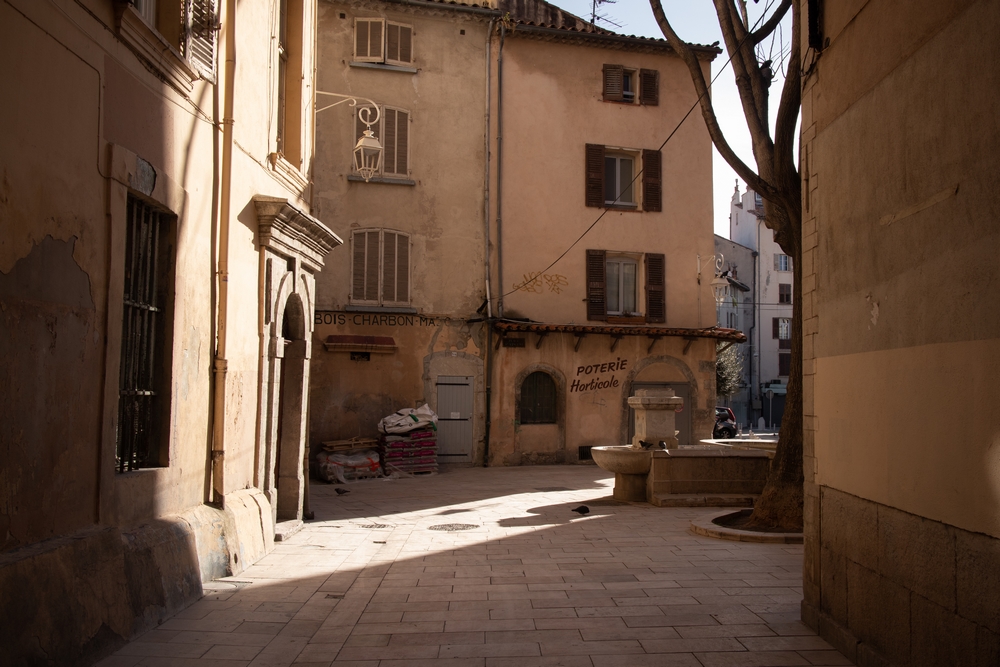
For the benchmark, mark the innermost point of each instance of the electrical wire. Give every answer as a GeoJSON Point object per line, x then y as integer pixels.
{"type": "Point", "coordinates": [697, 102]}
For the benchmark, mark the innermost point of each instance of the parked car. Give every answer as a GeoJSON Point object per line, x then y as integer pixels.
{"type": "Point", "coordinates": [725, 423]}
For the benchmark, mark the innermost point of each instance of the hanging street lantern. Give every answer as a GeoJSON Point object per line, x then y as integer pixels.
{"type": "Point", "coordinates": [368, 151]}
{"type": "Point", "coordinates": [720, 286]}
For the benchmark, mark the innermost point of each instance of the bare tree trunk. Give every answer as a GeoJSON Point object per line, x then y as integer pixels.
{"type": "Point", "coordinates": [777, 181]}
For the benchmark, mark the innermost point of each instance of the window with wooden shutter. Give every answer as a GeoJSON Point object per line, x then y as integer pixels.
{"type": "Point", "coordinates": [595, 175]}
{"type": "Point", "coordinates": [656, 293]}
{"type": "Point", "coordinates": [398, 44]}
{"type": "Point", "coordinates": [395, 142]}
{"type": "Point", "coordinates": [613, 83]}
{"type": "Point", "coordinates": [649, 87]}
{"type": "Point", "coordinates": [652, 181]}
{"type": "Point", "coordinates": [200, 36]}
{"type": "Point", "coordinates": [368, 40]}
{"type": "Point", "coordinates": [784, 364]}
{"type": "Point", "coordinates": [784, 293]}
{"type": "Point", "coordinates": [380, 272]}
{"type": "Point", "coordinates": [596, 286]}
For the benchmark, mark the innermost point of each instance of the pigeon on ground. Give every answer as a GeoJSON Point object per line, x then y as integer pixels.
{"type": "Point", "coordinates": [645, 445]}
{"type": "Point", "coordinates": [341, 491]}
{"type": "Point", "coordinates": [581, 510]}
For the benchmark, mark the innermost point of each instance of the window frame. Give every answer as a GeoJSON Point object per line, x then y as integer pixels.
{"type": "Point", "coordinates": [621, 260]}
{"type": "Point", "coordinates": [181, 44]}
{"type": "Point", "coordinates": [380, 300]}
{"type": "Point", "coordinates": [146, 331]}
{"type": "Point", "coordinates": [644, 85]}
{"type": "Point", "coordinates": [782, 262]}
{"type": "Point", "coordinates": [383, 56]}
{"type": "Point", "coordinates": [647, 183]}
{"type": "Point", "coordinates": [551, 411]}
{"type": "Point", "coordinates": [634, 185]}
{"type": "Point", "coordinates": [784, 294]}
{"type": "Point", "coordinates": [651, 276]}
{"type": "Point", "coordinates": [781, 330]}
{"type": "Point", "coordinates": [784, 364]}
{"type": "Point", "coordinates": [380, 132]}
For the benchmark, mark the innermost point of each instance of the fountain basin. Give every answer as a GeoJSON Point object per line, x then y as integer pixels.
{"type": "Point", "coordinates": [630, 466]}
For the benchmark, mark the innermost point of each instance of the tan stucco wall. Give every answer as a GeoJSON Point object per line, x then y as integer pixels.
{"type": "Point", "coordinates": [552, 108]}
{"type": "Point", "coordinates": [908, 316]}
{"type": "Point", "coordinates": [85, 113]}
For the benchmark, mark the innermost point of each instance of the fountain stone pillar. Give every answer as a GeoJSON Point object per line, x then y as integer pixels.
{"type": "Point", "coordinates": [654, 416]}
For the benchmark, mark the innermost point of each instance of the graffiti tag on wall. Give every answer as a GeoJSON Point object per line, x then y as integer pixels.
{"type": "Point", "coordinates": [593, 384]}
{"type": "Point", "coordinates": [539, 282]}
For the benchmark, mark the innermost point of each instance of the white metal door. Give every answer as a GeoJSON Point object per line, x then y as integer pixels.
{"type": "Point", "coordinates": [454, 409]}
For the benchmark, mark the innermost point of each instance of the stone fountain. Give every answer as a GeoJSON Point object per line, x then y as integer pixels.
{"type": "Point", "coordinates": [654, 423]}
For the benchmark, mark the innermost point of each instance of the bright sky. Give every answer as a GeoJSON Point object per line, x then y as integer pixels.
{"type": "Point", "coordinates": [696, 21]}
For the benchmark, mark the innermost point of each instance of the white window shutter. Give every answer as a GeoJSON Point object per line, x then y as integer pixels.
{"type": "Point", "coordinates": [200, 31]}
{"type": "Point", "coordinates": [358, 266]}
{"type": "Point", "coordinates": [403, 268]}
{"type": "Point", "coordinates": [372, 267]}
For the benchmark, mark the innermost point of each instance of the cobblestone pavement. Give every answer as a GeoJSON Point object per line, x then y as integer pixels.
{"type": "Point", "coordinates": [518, 581]}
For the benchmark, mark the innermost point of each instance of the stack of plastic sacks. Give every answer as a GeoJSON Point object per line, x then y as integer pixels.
{"type": "Point", "coordinates": [344, 467]}
{"type": "Point", "coordinates": [409, 441]}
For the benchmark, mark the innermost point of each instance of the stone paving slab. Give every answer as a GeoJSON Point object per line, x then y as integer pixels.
{"type": "Point", "coordinates": [527, 584]}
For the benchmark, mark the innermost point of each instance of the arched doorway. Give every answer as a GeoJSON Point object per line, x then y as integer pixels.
{"type": "Point", "coordinates": [291, 411]}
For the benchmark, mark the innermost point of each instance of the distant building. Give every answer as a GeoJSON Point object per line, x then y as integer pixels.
{"type": "Point", "coordinates": [738, 311]}
{"type": "Point", "coordinates": [769, 351]}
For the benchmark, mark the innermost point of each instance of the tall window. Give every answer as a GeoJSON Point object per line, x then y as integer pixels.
{"type": "Point", "coordinates": [613, 285]}
{"type": "Point", "coordinates": [782, 262]}
{"type": "Point", "coordinates": [784, 293]}
{"type": "Point", "coordinates": [282, 71]}
{"type": "Point", "coordinates": [380, 268]}
{"type": "Point", "coordinates": [618, 180]}
{"type": "Point", "coordinates": [538, 399]}
{"type": "Point", "coordinates": [622, 277]}
{"type": "Point", "coordinates": [393, 131]}
{"type": "Point", "coordinates": [143, 385]}
{"type": "Point", "coordinates": [782, 331]}
{"type": "Point", "coordinates": [784, 364]}
{"type": "Point", "coordinates": [288, 133]}
{"type": "Point", "coordinates": [610, 178]}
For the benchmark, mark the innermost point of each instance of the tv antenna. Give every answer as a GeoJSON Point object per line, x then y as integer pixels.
{"type": "Point", "coordinates": [604, 18]}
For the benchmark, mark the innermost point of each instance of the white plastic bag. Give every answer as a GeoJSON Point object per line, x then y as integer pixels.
{"type": "Point", "coordinates": [408, 419]}
{"type": "Point", "coordinates": [347, 467]}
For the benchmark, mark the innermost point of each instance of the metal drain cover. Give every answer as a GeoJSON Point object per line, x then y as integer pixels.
{"type": "Point", "coordinates": [453, 527]}
{"type": "Point", "coordinates": [375, 525]}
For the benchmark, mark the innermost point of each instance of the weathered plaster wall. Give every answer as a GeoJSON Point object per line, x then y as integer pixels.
{"type": "Point", "coordinates": [900, 240]}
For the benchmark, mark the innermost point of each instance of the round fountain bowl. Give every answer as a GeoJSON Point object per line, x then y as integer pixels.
{"type": "Point", "coordinates": [622, 459]}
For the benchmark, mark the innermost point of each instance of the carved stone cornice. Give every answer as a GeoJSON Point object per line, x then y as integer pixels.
{"type": "Point", "coordinates": [290, 232]}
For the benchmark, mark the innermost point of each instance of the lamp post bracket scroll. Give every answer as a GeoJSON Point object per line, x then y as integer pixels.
{"type": "Point", "coordinates": [368, 151]}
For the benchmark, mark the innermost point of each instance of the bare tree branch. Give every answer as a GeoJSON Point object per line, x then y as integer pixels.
{"type": "Point", "coordinates": [788, 112]}
{"type": "Point", "coordinates": [761, 33]}
{"type": "Point", "coordinates": [748, 175]}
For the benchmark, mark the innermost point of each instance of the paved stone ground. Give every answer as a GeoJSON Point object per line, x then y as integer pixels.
{"type": "Point", "coordinates": [371, 583]}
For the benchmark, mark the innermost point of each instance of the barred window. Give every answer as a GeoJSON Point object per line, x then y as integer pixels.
{"type": "Point", "coordinates": [143, 385]}
{"type": "Point", "coordinates": [538, 399]}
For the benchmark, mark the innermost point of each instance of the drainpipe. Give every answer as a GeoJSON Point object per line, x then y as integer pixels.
{"type": "Point", "coordinates": [486, 248]}
{"type": "Point", "coordinates": [503, 33]}
{"type": "Point", "coordinates": [221, 364]}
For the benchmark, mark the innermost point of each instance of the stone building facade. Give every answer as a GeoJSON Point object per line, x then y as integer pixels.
{"type": "Point", "coordinates": [156, 273]}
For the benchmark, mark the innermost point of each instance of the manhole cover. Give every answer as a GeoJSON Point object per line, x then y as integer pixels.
{"type": "Point", "coordinates": [453, 527]}
{"type": "Point", "coordinates": [375, 525]}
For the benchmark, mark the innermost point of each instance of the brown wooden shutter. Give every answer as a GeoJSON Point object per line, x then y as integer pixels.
{"type": "Point", "coordinates": [199, 40]}
{"type": "Point", "coordinates": [371, 267]}
{"type": "Point", "coordinates": [388, 267]}
{"type": "Point", "coordinates": [402, 142]}
{"type": "Point", "coordinates": [596, 285]}
{"type": "Point", "coordinates": [403, 268]}
{"type": "Point", "coordinates": [774, 327]}
{"type": "Point", "coordinates": [389, 141]}
{"type": "Point", "coordinates": [613, 83]}
{"type": "Point", "coordinates": [358, 266]}
{"type": "Point", "coordinates": [652, 181]}
{"type": "Point", "coordinates": [368, 40]}
{"type": "Point", "coordinates": [398, 43]}
{"type": "Point", "coordinates": [595, 175]}
{"type": "Point", "coordinates": [656, 293]}
{"type": "Point", "coordinates": [649, 87]}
